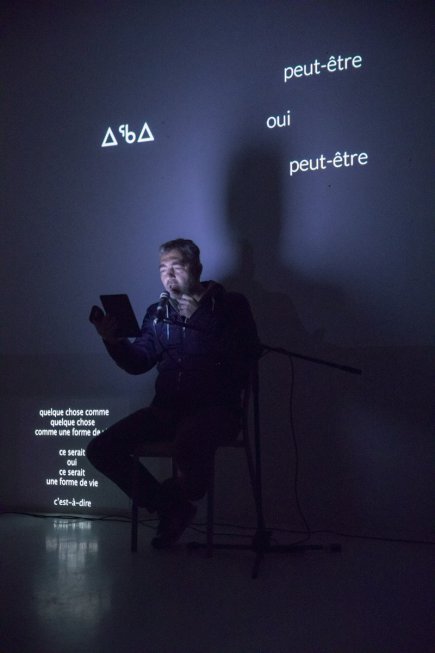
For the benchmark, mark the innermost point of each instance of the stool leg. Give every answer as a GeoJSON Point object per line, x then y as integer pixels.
{"type": "Point", "coordinates": [134, 520]}
{"type": "Point", "coordinates": [210, 515]}
{"type": "Point", "coordinates": [134, 506]}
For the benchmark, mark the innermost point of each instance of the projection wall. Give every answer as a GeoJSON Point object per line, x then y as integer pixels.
{"type": "Point", "coordinates": [293, 142]}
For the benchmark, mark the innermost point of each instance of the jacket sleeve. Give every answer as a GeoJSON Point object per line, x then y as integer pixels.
{"type": "Point", "coordinates": [139, 356]}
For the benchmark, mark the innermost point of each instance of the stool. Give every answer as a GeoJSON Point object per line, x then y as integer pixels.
{"type": "Point", "coordinates": [165, 450]}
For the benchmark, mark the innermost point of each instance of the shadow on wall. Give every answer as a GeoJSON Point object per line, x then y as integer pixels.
{"type": "Point", "coordinates": [255, 215]}
{"type": "Point", "coordinates": [364, 442]}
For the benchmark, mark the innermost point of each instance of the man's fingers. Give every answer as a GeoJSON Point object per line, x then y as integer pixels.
{"type": "Point", "coordinates": [187, 305]}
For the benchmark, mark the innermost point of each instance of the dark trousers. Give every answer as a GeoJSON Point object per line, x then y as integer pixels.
{"type": "Point", "coordinates": [195, 435]}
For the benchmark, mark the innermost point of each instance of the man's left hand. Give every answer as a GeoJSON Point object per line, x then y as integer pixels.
{"type": "Point", "coordinates": [187, 305]}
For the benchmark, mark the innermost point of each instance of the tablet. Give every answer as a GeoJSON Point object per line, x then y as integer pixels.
{"type": "Point", "coordinates": [120, 307]}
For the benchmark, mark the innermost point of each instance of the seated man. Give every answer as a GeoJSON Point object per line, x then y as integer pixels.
{"type": "Point", "coordinates": [202, 340]}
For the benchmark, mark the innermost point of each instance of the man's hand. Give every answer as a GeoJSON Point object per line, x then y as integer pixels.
{"type": "Point", "coordinates": [106, 325]}
{"type": "Point", "coordinates": [187, 305]}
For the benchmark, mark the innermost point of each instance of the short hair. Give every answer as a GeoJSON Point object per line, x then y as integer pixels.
{"type": "Point", "coordinates": [189, 251]}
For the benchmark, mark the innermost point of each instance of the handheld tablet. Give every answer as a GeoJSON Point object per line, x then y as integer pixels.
{"type": "Point", "coordinates": [120, 307]}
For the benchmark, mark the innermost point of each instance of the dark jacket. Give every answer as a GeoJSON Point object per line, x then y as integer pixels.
{"type": "Point", "coordinates": [201, 361]}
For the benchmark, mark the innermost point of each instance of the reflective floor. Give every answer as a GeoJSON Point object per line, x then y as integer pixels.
{"type": "Point", "coordinates": [70, 586]}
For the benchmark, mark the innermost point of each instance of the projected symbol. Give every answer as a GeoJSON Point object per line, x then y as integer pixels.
{"type": "Point", "coordinates": [145, 134]}
{"type": "Point", "coordinates": [128, 135]}
{"type": "Point", "coordinates": [109, 139]}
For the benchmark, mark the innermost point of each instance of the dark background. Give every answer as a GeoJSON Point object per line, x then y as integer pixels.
{"type": "Point", "coordinates": [336, 263]}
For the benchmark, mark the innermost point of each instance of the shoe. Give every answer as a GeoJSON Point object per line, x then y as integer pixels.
{"type": "Point", "coordinates": [173, 524]}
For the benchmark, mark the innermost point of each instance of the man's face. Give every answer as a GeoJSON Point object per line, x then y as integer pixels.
{"type": "Point", "coordinates": [175, 274]}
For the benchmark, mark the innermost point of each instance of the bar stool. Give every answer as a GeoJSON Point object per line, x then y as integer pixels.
{"type": "Point", "coordinates": [166, 450]}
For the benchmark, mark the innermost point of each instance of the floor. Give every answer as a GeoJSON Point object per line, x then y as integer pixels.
{"type": "Point", "coordinates": [73, 585]}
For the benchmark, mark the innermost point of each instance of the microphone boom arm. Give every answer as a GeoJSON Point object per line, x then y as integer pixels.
{"type": "Point", "coordinates": [311, 359]}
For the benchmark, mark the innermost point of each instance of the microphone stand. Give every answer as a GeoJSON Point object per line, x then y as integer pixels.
{"type": "Point", "coordinates": [319, 361]}
{"type": "Point", "coordinates": [261, 541]}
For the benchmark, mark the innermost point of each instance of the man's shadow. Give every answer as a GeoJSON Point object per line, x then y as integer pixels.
{"type": "Point", "coordinates": [256, 217]}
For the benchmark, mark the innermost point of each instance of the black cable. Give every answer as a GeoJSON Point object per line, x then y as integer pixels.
{"type": "Point", "coordinates": [37, 515]}
{"type": "Point", "coordinates": [127, 520]}
{"type": "Point", "coordinates": [296, 449]}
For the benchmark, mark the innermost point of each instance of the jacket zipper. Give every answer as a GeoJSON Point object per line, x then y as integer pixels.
{"type": "Point", "coordinates": [180, 373]}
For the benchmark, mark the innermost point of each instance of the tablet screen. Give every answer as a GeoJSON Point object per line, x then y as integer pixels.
{"type": "Point", "coordinates": [120, 307]}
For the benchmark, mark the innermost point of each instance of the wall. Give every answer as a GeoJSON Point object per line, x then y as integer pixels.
{"type": "Point", "coordinates": [255, 109]}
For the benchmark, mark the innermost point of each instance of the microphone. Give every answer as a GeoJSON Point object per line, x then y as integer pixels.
{"type": "Point", "coordinates": [161, 306]}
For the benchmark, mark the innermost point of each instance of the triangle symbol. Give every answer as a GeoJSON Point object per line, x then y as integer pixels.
{"type": "Point", "coordinates": [109, 135]}
{"type": "Point", "coordinates": [146, 134]}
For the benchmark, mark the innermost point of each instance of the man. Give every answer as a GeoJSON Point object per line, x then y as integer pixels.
{"type": "Point", "coordinates": [202, 340]}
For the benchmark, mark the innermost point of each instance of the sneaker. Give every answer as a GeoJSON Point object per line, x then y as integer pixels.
{"type": "Point", "coordinates": [173, 524]}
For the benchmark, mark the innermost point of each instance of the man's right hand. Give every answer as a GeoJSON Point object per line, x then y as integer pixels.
{"type": "Point", "coordinates": [106, 325]}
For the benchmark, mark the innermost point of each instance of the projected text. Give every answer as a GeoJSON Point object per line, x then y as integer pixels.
{"type": "Point", "coordinates": [283, 120]}
{"type": "Point", "coordinates": [321, 162]}
{"type": "Point", "coordinates": [334, 64]}
{"type": "Point", "coordinates": [77, 422]}
{"type": "Point", "coordinates": [128, 135]}
{"type": "Point", "coordinates": [69, 426]}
